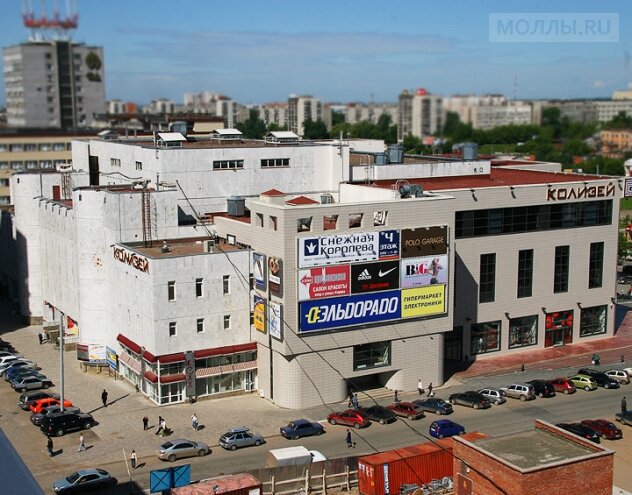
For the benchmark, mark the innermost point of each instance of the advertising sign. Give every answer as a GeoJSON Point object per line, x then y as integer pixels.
{"type": "Point", "coordinates": [429, 270]}
{"type": "Point", "coordinates": [91, 353]}
{"type": "Point", "coordinates": [275, 276]}
{"type": "Point", "coordinates": [72, 329]}
{"type": "Point", "coordinates": [259, 313]}
{"type": "Point", "coordinates": [371, 277]}
{"type": "Point", "coordinates": [259, 270]}
{"type": "Point", "coordinates": [349, 310]}
{"type": "Point", "coordinates": [326, 281]}
{"type": "Point", "coordinates": [424, 241]}
{"type": "Point", "coordinates": [189, 373]}
{"type": "Point", "coordinates": [423, 301]}
{"type": "Point", "coordinates": [334, 249]}
{"type": "Point", "coordinates": [112, 358]}
{"type": "Point", "coordinates": [389, 244]}
{"type": "Point", "coordinates": [275, 320]}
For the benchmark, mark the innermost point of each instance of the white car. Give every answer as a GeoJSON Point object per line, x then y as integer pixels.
{"type": "Point", "coordinates": [16, 363]}
{"type": "Point", "coordinates": [495, 396]}
{"type": "Point", "coordinates": [317, 456]}
{"type": "Point", "coordinates": [619, 375]}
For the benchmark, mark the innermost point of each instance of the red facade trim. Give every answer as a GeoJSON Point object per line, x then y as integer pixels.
{"type": "Point", "coordinates": [172, 378]}
{"type": "Point", "coordinates": [229, 349]}
{"type": "Point", "coordinates": [152, 377]}
{"type": "Point", "coordinates": [132, 346]}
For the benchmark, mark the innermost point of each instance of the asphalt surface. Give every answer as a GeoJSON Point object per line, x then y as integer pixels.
{"type": "Point", "coordinates": [120, 427]}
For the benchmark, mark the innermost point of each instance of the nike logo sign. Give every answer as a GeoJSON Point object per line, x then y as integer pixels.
{"type": "Point", "coordinates": [381, 273]}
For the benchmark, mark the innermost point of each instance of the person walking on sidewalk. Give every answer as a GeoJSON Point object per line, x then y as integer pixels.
{"type": "Point", "coordinates": [194, 422]}
{"type": "Point", "coordinates": [82, 445]}
{"type": "Point", "coordinates": [49, 446]}
{"type": "Point", "coordinates": [159, 429]}
{"type": "Point", "coordinates": [356, 404]}
{"type": "Point", "coordinates": [430, 392]}
{"type": "Point", "coordinates": [145, 423]}
{"type": "Point", "coordinates": [350, 443]}
{"type": "Point", "coordinates": [420, 387]}
{"type": "Point", "coordinates": [163, 427]}
{"type": "Point", "coordinates": [133, 458]}
{"type": "Point", "coordinates": [624, 405]}
{"type": "Point", "coordinates": [104, 398]}
{"type": "Point", "coordinates": [396, 396]}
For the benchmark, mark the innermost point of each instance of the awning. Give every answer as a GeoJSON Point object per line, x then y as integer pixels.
{"type": "Point", "coordinates": [149, 357]}
{"type": "Point", "coordinates": [172, 378]}
{"type": "Point", "coordinates": [130, 362]}
{"type": "Point", "coordinates": [132, 346]}
{"type": "Point", "coordinates": [152, 377]}
{"type": "Point", "coordinates": [171, 358]}
{"type": "Point", "coordinates": [229, 349]}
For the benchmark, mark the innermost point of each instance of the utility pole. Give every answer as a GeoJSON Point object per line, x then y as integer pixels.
{"type": "Point", "coordinates": [62, 331]}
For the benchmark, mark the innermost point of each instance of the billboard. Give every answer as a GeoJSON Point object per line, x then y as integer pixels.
{"type": "Point", "coordinates": [326, 281]}
{"type": "Point", "coordinates": [348, 311]}
{"type": "Point", "coordinates": [423, 301]}
{"type": "Point", "coordinates": [275, 320]}
{"type": "Point", "coordinates": [371, 277]}
{"type": "Point", "coordinates": [389, 244]}
{"type": "Point", "coordinates": [333, 249]}
{"type": "Point", "coordinates": [92, 353]}
{"type": "Point", "coordinates": [419, 272]}
{"type": "Point", "coordinates": [424, 241]}
{"type": "Point", "coordinates": [111, 358]}
{"type": "Point", "coordinates": [259, 313]}
{"type": "Point", "coordinates": [259, 270]}
{"type": "Point", "coordinates": [275, 276]}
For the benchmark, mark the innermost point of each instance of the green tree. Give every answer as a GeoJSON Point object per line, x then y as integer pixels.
{"type": "Point", "coordinates": [452, 122]}
{"type": "Point", "coordinates": [315, 129]}
{"type": "Point", "coordinates": [275, 127]}
{"type": "Point", "coordinates": [412, 144]}
{"type": "Point", "coordinates": [620, 121]}
{"type": "Point", "coordinates": [337, 118]}
{"type": "Point", "coordinates": [253, 127]}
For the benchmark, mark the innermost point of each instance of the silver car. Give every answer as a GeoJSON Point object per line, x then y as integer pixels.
{"type": "Point", "coordinates": [522, 391]}
{"type": "Point", "coordinates": [180, 448]}
{"type": "Point", "coordinates": [24, 383]}
{"type": "Point", "coordinates": [83, 480]}
{"type": "Point", "coordinates": [240, 437]}
{"type": "Point", "coordinates": [619, 375]}
{"type": "Point", "coordinates": [495, 396]}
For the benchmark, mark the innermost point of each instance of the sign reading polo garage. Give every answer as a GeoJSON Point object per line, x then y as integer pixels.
{"type": "Point", "coordinates": [424, 241]}
{"type": "Point", "coordinates": [371, 277]}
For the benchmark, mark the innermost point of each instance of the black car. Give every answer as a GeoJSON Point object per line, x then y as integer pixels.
{"type": "Point", "coordinates": [61, 423]}
{"type": "Point", "coordinates": [38, 418]}
{"type": "Point", "coordinates": [27, 398]}
{"type": "Point", "coordinates": [581, 430]}
{"type": "Point", "coordinates": [435, 405]}
{"type": "Point", "coordinates": [543, 388]}
{"type": "Point", "coordinates": [601, 378]}
{"type": "Point", "coordinates": [379, 413]}
{"type": "Point", "coordinates": [470, 399]}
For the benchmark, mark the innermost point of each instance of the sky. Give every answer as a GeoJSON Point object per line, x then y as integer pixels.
{"type": "Point", "coordinates": [258, 51]}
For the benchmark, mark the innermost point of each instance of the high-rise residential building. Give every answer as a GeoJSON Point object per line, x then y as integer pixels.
{"type": "Point", "coordinates": [273, 113]}
{"type": "Point", "coordinates": [421, 114]}
{"type": "Point", "coordinates": [161, 105]}
{"type": "Point", "coordinates": [625, 94]}
{"type": "Point", "coordinates": [214, 105]}
{"type": "Point", "coordinates": [303, 108]}
{"type": "Point", "coordinates": [369, 112]}
{"type": "Point", "coordinates": [57, 83]}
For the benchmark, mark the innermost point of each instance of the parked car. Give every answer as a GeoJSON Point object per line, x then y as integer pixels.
{"type": "Point", "coordinates": [38, 418]}
{"type": "Point", "coordinates": [9, 354]}
{"type": "Point", "coordinates": [581, 430]}
{"type": "Point", "coordinates": [522, 391]}
{"type": "Point", "coordinates": [624, 417]}
{"type": "Point", "coordinates": [542, 388]}
{"type": "Point", "coordinates": [40, 404]}
{"type": "Point", "coordinates": [583, 381]}
{"type": "Point", "coordinates": [443, 428]}
{"type": "Point", "coordinates": [84, 480]}
{"type": "Point", "coordinates": [317, 456]}
{"type": "Point", "coordinates": [14, 373]}
{"type": "Point", "coordinates": [495, 396]}
{"type": "Point", "coordinates": [61, 423]}
{"type": "Point", "coordinates": [380, 414]}
{"type": "Point", "coordinates": [301, 428]}
{"type": "Point", "coordinates": [28, 398]}
{"type": "Point", "coordinates": [181, 448]}
{"type": "Point", "coordinates": [350, 417]}
{"type": "Point", "coordinates": [435, 405]}
{"type": "Point", "coordinates": [406, 410]}
{"type": "Point", "coordinates": [470, 399]}
{"type": "Point", "coordinates": [600, 377]}
{"type": "Point", "coordinates": [605, 429]}
{"type": "Point", "coordinates": [238, 437]}
{"type": "Point", "coordinates": [15, 364]}
{"type": "Point", "coordinates": [563, 385]}
{"type": "Point", "coordinates": [24, 383]}
{"type": "Point", "coordinates": [619, 375]}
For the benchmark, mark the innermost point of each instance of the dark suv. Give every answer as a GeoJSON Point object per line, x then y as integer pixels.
{"type": "Point", "coordinates": [542, 388]}
{"type": "Point", "coordinates": [61, 423]}
{"type": "Point", "coordinates": [600, 377]}
{"type": "Point", "coordinates": [27, 398]}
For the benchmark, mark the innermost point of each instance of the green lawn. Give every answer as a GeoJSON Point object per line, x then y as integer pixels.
{"type": "Point", "coordinates": [626, 204]}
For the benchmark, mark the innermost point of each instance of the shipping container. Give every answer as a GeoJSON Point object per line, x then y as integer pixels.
{"type": "Point", "coordinates": [234, 484]}
{"type": "Point", "coordinates": [384, 473]}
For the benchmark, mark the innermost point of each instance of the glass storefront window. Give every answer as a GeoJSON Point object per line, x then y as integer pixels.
{"type": "Point", "coordinates": [523, 331]}
{"type": "Point", "coordinates": [371, 355]}
{"type": "Point", "coordinates": [559, 328]}
{"type": "Point", "coordinates": [171, 392]}
{"type": "Point", "coordinates": [593, 321]}
{"type": "Point", "coordinates": [485, 337]}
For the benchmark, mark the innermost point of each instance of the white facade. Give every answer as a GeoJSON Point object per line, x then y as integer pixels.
{"type": "Point", "coordinates": [273, 113]}
{"type": "Point", "coordinates": [421, 114]}
{"type": "Point", "coordinates": [488, 117]}
{"type": "Point", "coordinates": [370, 112]}
{"type": "Point", "coordinates": [306, 108]}
{"type": "Point", "coordinates": [162, 105]}
{"type": "Point", "coordinates": [215, 105]}
{"type": "Point", "coordinates": [609, 109]}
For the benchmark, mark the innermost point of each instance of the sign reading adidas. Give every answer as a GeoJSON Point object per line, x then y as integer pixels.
{"type": "Point", "coordinates": [364, 275]}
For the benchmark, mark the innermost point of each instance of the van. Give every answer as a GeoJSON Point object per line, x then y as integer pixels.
{"type": "Point", "coordinates": [290, 456]}
{"type": "Point", "coordinates": [522, 391]}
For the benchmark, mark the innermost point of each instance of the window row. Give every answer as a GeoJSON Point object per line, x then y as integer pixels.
{"type": "Point", "coordinates": [275, 162]}
{"type": "Point", "coordinates": [498, 221]}
{"type": "Point", "coordinates": [199, 326]}
{"type": "Point", "coordinates": [228, 164]}
{"type": "Point", "coordinates": [487, 272]}
{"type": "Point", "coordinates": [199, 287]}
{"type": "Point", "coordinates": [20, 147]}
{"type": "Point", "coordinates": [30, 164]}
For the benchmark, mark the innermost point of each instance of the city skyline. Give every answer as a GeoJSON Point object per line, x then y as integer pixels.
{"type": "Point", "coordinates": [361, 51]}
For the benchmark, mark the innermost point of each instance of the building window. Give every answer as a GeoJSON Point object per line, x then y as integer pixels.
{"type": "Point", "coordinates": [259, 218]}
{"type": "Point", "coordinates": [172, 329]}
{"type": "Point", "coordinates": [226, 284]}
{"type": "Point", "coordinates": [595, 266]}
{"type": "Point", "coordinates": [593, 321]}
{"type": "Point", "coordinates": [273, 222]}
{"type": "Point", "coordinates": [304, 224]}
{"type": "Point", "coordinates": [330, 222]}
{"type": "Point", "coordinates": [523, 331]}
{"type": "Point", "coordinates": [372, 355]}
{"type": "Point", "coordinates": [560, 277]}
{"type": "Point", "coordinates": [487, 279]}
{"type": "Point", "coordinates": [115, 162]}
{"type": "Point", "coordinates": [199, 287]}
{"type": "Point", "coordinates": [200, 325]}
{"type": "Point", "coordinates": [525, 273]}
{"type": "Point", "coordinates": [558, 329]}
{"type": "Point", "coordinates": [226, 322]}
{"type": "Point", "coordinates": [485, 337]}
{"type": "Point", "coordinates": [4, 165]}
{"type": "Point", "coordinates": [139, 165]}
{"type": "Point", "coordinates": [59, 146]}
{"type": "Point", "coordinates": [355, 220]}
{"type": "Point", "coordinates": [379, 218]}
{"type": "Point", "coordinates": [171, 291]}
{"type": "Point", "coordinates": [275, 162]}
{"type": "Point", "coordinates": [228, 164]}
{"type": "Point", "coordinates": [17, 165]}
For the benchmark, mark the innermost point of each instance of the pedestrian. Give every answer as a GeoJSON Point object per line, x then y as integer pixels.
{"type": "Point", "coordinates": [159, 430]}
{"type": "Point", "coordinates": [134, 458]}
{"type": "Point", "coordinates": [350, 443]}
{"type": "Point", "coordinates": [49, 446]}
{"type": "Point", "coordinates": [350, 397]}
{"type": "Point", "coordinates": [420, 387]}
{"type": "Point", "coordinates": [430, 392]}
{"type": "Point", "coordinates": [82, 445]}
{"type": "Point", "coordinates": [145, 423]}
{"type": "Point", "coordinates": [396, 396]}
{"type": "Point", "coordinates": [194, 422]}
{"type": "Point", "coordinates": [163, 427]}
{"type": "Point", "coordinates": [356, 404]}
{"type": "Point", "coordinates": [624, 405]}
{"type": "Point", "coordinates": [596, 359]}
{"type": "Point", "coordinates": [104, 398]}
{"type": "Point", "coordinates": [40, 338]}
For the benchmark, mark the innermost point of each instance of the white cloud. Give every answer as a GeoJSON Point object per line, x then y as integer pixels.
{"type": "Point", "coordinates": [599, 84]}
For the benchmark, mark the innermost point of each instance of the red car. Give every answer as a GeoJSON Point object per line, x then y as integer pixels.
{"type": "Point", "coordinates": [605, 428]}
{"type": "Point", "coordinates": [350, 417]}
{"type": "Point", "coordinates": [563, 385]}
{"type": "Point", "coordinates": [407, 410]}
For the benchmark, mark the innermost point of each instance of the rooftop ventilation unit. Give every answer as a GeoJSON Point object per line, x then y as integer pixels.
{"type": "Point", "coordinates": [470, 151]}
{"type": "Point", "coordinates": [178, 126]}
{"type": "Point", "coordinates": [395, 153]}
{"type": "Point", "coordinates": [210, 246]}
{"type": "Point", "coordinates": [326, 199]}
{"type": "Point", "coordinates": [236, 206]}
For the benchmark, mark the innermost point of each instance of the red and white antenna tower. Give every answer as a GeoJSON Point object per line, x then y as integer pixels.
{"type": "Point", "coordinates": [43, 26]}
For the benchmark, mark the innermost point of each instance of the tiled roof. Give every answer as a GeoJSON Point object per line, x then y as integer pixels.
{"type": "Point", "coordinates": [301, 200]}
{"type": "Point", "coordinates": [273, 192]}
